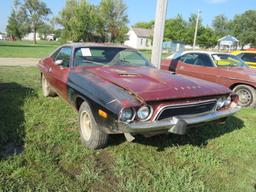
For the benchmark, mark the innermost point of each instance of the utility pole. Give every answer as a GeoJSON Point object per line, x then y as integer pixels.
{"type": "Point", "coordinates": [158, 37]}
{"type": "Point", "coordinates": [195, 35]}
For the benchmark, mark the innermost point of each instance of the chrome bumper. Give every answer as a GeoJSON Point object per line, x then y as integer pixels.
{"type": "Point", "coordinates": [177, 124]}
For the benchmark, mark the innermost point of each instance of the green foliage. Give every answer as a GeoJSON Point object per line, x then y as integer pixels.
{"type": "Point", "coordinates": [13, 26]}
{"type": "Point", "coordinates": [145, 25]}
{"type": "Point", "coordinates": [190, 29]}
{"type": "Point", "coordinates": [17, 26]}
{"type": "Point", "coordinates": [221, 25]}
{"type": "Point", "coordinates": [79, 20]}
{"type": "Point", "coordinates": [207, 38]}
{"type": "Point", "coordinates": [178, 29]}
{"type": "Point", "coordinates": [82, 21]}
{"type": "Point", "coordinates": [114, 15]}
{"type": "Point", "coordinates": [44, 30]}
{"type": "Point", "coordinates": [35, 13]}
{"type": "Point", "coordinates": [175, 29]}
{"type": "Point", "coordinates": [243, 27]}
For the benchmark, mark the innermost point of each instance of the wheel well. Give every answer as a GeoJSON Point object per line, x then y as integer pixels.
{"type": "Point", "coordinates": [79, 102]}
{"type": "Point", "coordinates": [234, 85]}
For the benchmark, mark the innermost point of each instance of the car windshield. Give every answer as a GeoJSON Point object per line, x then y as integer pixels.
{"type": "Point", "coordinates": [107, 56]}
{"type": "Point", "coordinates": [228, 60]}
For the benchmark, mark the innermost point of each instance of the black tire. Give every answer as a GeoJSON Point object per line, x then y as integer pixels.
{"type": "Point", "coordinates": [46, 88]}
{"type": "Point", "coordinates": [247, 95]}
{"type": "Point", "coordinates": [90, 133]}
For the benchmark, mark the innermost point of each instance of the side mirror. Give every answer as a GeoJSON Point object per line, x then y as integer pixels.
{"type": "Point", "coordinates": [58, 62]}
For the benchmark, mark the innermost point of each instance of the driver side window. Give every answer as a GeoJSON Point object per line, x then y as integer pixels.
{"type": "Point", "coordinates": [64, 55]}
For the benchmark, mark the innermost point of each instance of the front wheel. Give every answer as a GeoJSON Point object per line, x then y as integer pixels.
{"type": "Point", "coordinates": [247, 95]}
{"type": "Point", "coordinates": [47, 90]}
{"type": "Point", "coordinates": [91, 135]}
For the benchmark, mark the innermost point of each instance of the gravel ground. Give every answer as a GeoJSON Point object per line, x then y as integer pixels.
{"type": "Point", "coordinates": [22, 62]}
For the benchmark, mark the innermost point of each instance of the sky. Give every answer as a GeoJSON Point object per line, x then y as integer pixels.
{"type": "Point", "coordinates": [144, 10]}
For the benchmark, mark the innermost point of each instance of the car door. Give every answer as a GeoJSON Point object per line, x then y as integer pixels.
{"type": "Point", "coordinates": [59, 69]}
{"type": "Point", "coordinates": [198, 65]}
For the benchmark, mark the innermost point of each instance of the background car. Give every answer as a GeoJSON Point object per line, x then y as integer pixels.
{"type": "Point", "coordinates": [249, 57]}
{"type": "Point", "coordinates": [222, 68]}
{"type": "Point", "coordinates": [117, 91]}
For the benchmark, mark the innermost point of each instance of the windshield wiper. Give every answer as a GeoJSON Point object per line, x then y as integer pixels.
{"type": "Point", "coordinates": [93, 62]}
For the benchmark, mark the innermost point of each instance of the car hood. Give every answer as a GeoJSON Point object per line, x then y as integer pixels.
{"type": "Point", "coordinates": [152, 84]}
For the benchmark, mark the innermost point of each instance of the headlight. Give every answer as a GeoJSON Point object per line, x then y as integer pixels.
{"type": "Point", "coordinates": [144, 113]}
{"type": "Point", "coordinates": [223, 102]}
{"type": "Point", "coordinates": [227, 101]}
{"type": "Point", "coordinates": [220, 103]}
{"type": "Point", "coordinates": [126, 115]}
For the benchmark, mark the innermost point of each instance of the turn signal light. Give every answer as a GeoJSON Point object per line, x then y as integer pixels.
{"type": "Point", "coordinates": [102, 114]}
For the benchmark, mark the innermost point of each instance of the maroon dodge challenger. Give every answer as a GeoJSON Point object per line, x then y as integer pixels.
{"type": "Point", "coordinates": [117, 91]}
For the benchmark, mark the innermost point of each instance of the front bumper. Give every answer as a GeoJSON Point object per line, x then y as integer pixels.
{"type": "Point", "coordinates": [177, 124]}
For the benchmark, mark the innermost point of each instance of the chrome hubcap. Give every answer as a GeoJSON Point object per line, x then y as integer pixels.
{"type": "Point", "coordinates": [86, 125]}
{"type": "Point", "coordinates": [245, 97]}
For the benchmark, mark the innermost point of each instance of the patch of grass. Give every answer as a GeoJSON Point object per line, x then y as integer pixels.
{"type": "Point", "coordinates": [26, 49]}
{"type": "Point", "coordinates": [40, 149]}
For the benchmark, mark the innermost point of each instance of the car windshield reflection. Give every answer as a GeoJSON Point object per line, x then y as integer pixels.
{"type": "Point", "coordinates": [108, 56]}
{"type": "Point", "coordinates": [227, 60]}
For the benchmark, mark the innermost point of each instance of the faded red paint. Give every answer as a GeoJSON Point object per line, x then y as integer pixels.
{"type": "Point", "coordinates": [227, 76]}
{"type": "Point", "coordinates": [56, 75]}
{"type": "Point", "coordinates": [152, 84]}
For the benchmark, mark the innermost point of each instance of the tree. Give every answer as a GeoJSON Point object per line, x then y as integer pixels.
{"type": "Point", "coordinates": [113, 13]}
{"type": "Point", "coordinates": [207, 38]}
{"type": "Point", "coordinates": [13, 28]}
{"type": "Point", "coordinates": [145, 25]}
{"type": "Point", "coordinates": [190, 29]}
{"type": "Point", "coordinates": [44, 30]}
{"type": "Point", "coordinates": [79, 20]}
{"type": "Point", "coordinates": [175, 29]}
{"type": "Point", "coordinates": [221, 25]}
{"type": "Point", "coordinates": [243, 27]}
{"type": "Point", "coordinates": [16, 27]}
{"type": "Point", "coordinates": [35, 12]}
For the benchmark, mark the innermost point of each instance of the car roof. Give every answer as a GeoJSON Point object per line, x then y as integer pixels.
{"type": "Point", "coordinates": [178, 54]}
{"type": "Point", "coordinates": [77, 45]}
{"type": "Point", "coordinates": [204, 52]}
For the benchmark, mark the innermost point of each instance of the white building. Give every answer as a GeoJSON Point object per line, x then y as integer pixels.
{"type": "Point", "coordinates": [30, 37]}
{"type": "Point", "coordinates": [228, 43]}
{"type": "Point", "coordinates": [140, 38]}
{"type": "Point", "coordinates": [3, 36]}
{"type": "Point", "coordinates": [50, 37]}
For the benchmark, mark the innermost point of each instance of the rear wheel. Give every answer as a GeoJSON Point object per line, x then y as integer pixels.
{"type": "Point", "coordinates": [47, 91]}
{"type": "Point", "coordinates": [247, 95]}
{"type": "Point", "coordinates": [91, 135]}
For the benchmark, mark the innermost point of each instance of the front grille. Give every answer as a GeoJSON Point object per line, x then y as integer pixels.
{"type": "Point", "coordinates": [187, 109]}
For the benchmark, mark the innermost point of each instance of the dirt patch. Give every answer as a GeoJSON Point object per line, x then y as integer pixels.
{"type": "Point", "coordinates": [109, 182]}
{"type": "Point", "coordinates": [21, 62]}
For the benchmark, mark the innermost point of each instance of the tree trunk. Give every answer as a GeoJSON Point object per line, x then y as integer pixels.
{"type": "Point", "coordinates": [34, 35]}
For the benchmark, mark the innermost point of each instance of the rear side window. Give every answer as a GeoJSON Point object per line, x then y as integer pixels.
{"type": "Point", "coordinates": [190, 58]}
{"type": "Point", "coordinates": [64, 55]}
{"type": "Point", "coordinates": [249, 57]}
{"type": "Point", "coordinates": [204, 60]}
{"type": "Point", "coordinates": [198, 59]}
